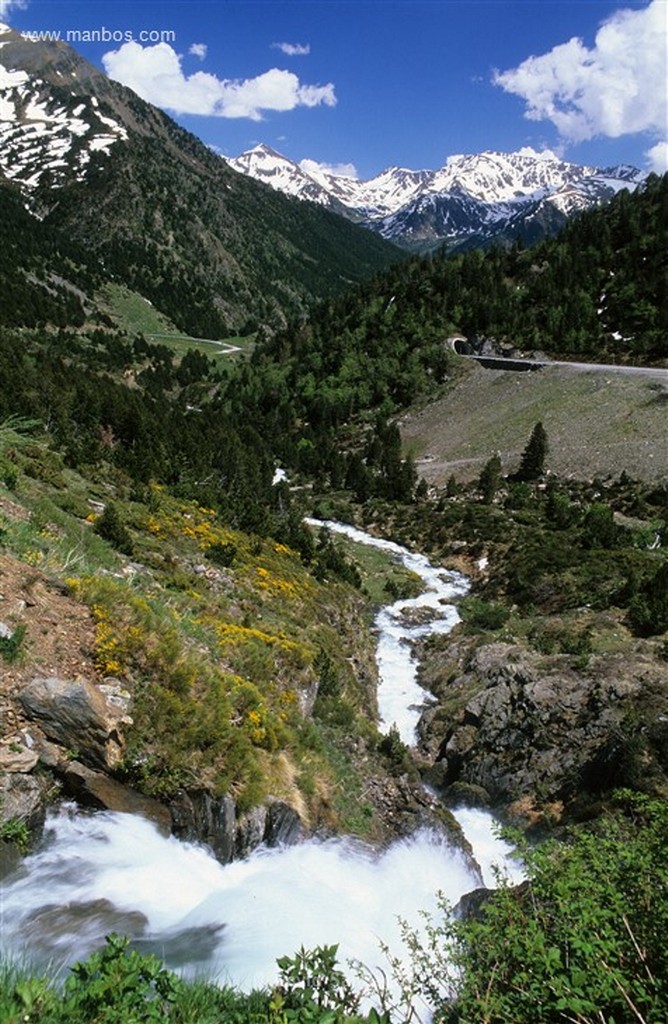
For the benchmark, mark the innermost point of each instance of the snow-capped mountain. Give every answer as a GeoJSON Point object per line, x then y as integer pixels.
{"type": "Point", "coordinates": [470, 200]}
{"type": "Point", "coordinates": [51, 125]}
{"type": "Point", "coordinates": [147, 204]}
{"type": "Point", "coordinates": [377, 197]}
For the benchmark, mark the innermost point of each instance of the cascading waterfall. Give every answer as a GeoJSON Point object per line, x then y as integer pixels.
{"type": "Point", "coordinates": [102, 872]}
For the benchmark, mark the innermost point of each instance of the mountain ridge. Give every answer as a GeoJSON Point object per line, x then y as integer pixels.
{"type": "Point", "coordinates": [471, 199]}
{"type": "Point", "coordinates": [158, 209]}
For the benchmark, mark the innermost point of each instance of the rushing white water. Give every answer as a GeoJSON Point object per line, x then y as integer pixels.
{"type": "Point", "coordinates": [270, 904]}
{"type": "Point", "coordinates": [401, 700]}
{"type": "Point", "coordinates": [115, 872]}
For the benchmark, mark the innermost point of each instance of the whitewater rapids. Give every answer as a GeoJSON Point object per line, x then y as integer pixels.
{"type": "Point", "coordinates": [102, 872]}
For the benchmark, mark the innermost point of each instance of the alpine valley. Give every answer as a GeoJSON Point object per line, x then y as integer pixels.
{"type": "Point", "coordinates": [318, 556]}
{"type": "Point", "coordinates": [148, 204]}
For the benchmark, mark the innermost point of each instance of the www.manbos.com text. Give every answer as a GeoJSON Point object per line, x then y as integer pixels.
{"type": "Point", "coordinates": [101, 35]}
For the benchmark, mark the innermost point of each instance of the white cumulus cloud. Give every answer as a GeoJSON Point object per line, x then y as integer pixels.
{"type": "Point", "coordinates": [617, 87]}
{"type": "Point", "coordinates": [155, 73]}
{"type": "Point", "coordinates": [9, 5]}
{"type": "Point", "coordinates": [657, 158]}
{"type": "Point", "coordinates": [199, 50]}
{"type": "Point", "coordinates": [293, 49]}
{"type": "Point", "coordinates": [314, 168]}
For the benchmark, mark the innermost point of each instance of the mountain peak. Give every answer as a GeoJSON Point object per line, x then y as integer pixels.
{"type": "Point", "coordinates": [156, 207]}
{"type": "Point", "coordinates": [472, 196]}
{"type": "Point", "coordinates": [56, 115]}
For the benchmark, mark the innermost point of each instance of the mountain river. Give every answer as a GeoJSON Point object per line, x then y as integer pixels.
{"type": "Point", "coordinates": [102, 872]}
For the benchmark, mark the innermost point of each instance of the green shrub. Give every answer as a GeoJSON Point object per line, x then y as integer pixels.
{"type": "Point", "coordinates": [558, 638]}
{"type": "Point", "coordinates": [598, 527]}
{"type": "Point", "coordinates": [9, 474]}
{"type": "Point", "coordinates": [582, 941]}
{"type": "Point", "coordinates": [222, 554]}
{"type": "Point", "coordinates": [116, 984]}
{"type": "Point", "coordinates": [648, 611]}
{"type": "Point", "coordinates": [396, 751]}
{"type": "Point", "coordinates": [313, 989]}
{"type": "Point", "coordinates": [15, 830]}
{"type": "Point", "coordinates": [482, 615]}
{"type": "Point", "coordinates": [110, 527]}
{"type": "Point", "coordinates": [10, 646]}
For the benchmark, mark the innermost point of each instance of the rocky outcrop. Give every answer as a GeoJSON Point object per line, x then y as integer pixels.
{"type": "Point", "coordinates": [79, 716]}
{"type": "Point", "coordinates": [541, 727]}
{"type": "Point", "coordinates": [74, 728]}
{"type": "Point", "coordinates": [23, 799]}
{"type": "Point", "coordinates": [95, 789]}
{"type": "Point", "coordinates": [216, 821]}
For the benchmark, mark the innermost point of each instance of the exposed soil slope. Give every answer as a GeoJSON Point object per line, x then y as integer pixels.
{"type": "Point", "coordinates": [598, 424]}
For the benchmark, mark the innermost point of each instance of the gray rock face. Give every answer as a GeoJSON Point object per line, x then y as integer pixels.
{"type": "Point", "coordinates": [78, 716]}
{"type": "Point", "coordinates": [94, 789]}
{"type": "Point", "coordinates": [23, 798]}
{"type": "Point", "coordinates": [207, 819]}
{"type": "Point", "coordinates": [215, 821]}
{"type": "Point", "coordinates": [533, 725]}
{"type": "Point", "coordinates": [283, 827]}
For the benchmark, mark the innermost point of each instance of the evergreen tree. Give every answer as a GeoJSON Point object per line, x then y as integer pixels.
{"type": "Point", "coordinates": [490, 478]}
{"type": "Point", "coordinates": [533, 457]}
{"type": "Point", "coordinates": [648, 611]}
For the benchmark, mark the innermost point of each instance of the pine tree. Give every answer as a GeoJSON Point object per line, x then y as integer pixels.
{"type": "Point", "coordinates": [490, 478]}
{"type": "Point", "coordinates": [533, 457]}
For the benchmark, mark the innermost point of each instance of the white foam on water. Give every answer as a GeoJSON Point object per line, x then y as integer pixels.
{"type": "Point", "coordinates": [401, 700]}
{"type": "Point", "coordinates": [316, 893]}
{"type": "Point", "coordinates": [234, 921]}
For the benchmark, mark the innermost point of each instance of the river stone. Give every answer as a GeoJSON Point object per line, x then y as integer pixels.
{"type": "Point", "coordinates": [23, 798]}
{"type": "Point", "coordinates": [10, 858]}
{"type": "Point", "coordinates": [49, 928]}
{"type": "Point", "coordinates": [192, 946]}
{"type": "Point", "coordinates": [472, 905]}
{"type": "Point", "coordinates": [97, 790]}
{"type": "Point", "coordinates": [283, 826]}
{"type": "Point", "coordinates": [250, 830]}
{"type": "Point", "coordinates": [76, 714]}
{"type": "Point", "coordinates": [201, 817]}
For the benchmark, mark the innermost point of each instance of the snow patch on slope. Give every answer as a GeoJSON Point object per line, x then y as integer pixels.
{"type": "Point", "coordinates": [42, 139]}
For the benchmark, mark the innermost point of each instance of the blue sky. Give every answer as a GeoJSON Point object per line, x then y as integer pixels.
{"type": "Point", "coordinates": [367, 85]}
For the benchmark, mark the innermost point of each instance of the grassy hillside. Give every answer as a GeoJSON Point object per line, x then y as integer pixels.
{"type": "Point", "coordinates": [598, 424]}
{"type": "Point", "coordinates": [220, 639]}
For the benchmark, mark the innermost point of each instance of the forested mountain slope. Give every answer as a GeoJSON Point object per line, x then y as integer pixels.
{"type": "Point", "coordinates": [153, 207]}
{"type": "Point", "coordinates": [595, 292]}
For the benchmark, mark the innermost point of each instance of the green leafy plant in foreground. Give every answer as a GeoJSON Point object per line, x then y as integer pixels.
{"type": "Point", "coordinates": [114, 984]}
{"type": "Point", "coordinates": [117, 984]}
{"type": "Point", "coordinates": [583, 941]}
{"type": "Point", "coordinates": [313, 988]}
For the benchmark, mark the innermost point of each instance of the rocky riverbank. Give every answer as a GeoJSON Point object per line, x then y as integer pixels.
{"type": "Point", "coordinates": [544, 737]}
{"type": "Point", "coordinates": [65, 728]}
